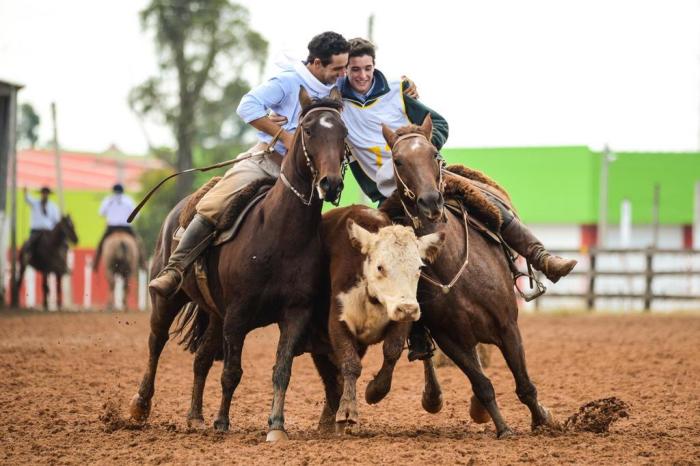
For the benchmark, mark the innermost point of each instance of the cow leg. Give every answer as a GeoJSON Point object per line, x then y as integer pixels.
{"type": "Point", "coordinates": [512, 348]}
{"type": "Point", "coordinates": [432, 393]}
{"type": "Point", "coordinates": [329, 376]}
{"type": "Point", "coordinates": [348, 354]}
{"type": "Point", "coordinates": [292, 328]}
{"type": "Point", "coordinates": [468, 361]}
{"type": "Point", "coordinates": [203, 360]}
{"type": "Point", "coordinates": [394, 339]}
{"type": "Point", "coordinates": [162, 316]}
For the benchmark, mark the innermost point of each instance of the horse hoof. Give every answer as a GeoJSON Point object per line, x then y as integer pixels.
{"type": "Point", "coordinates": [139, 408]}
{"type": "Point", "coordinates": [432, 403]}
{"type": "Point", "coordinates": [374, 394]}
{"type": "Point", "coordinates": [221, 426]}
{"type": "Point", "coordinates": [546, 420]}
{"type": "Point", "coordinates": [477, 411]}
{"type": "Point", "coordinates": [277, 436]}
{"type": "Point", "coordinates": [506, 433]}
{"type": "Point", "coordinates": [196, 423]}
{"type": "Point", "coordinates": [343, 427]}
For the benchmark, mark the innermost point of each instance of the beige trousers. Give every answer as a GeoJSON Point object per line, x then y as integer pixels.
{"type": "Point", "coordinates": [213, 203]}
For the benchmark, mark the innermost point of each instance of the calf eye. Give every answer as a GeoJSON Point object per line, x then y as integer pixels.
{"type": "Point", "coordinates": [380, 268]}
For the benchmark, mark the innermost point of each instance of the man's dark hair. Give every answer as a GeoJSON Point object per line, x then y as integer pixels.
{"type": "Point", "coordinates": [325, 45]}
{"type": "Point", "coordinates": [360, 47]}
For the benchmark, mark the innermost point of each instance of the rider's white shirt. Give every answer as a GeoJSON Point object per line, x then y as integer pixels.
{"type": "Point", "coordinates": [116, 209]}
{"type": "Point", "coordinates": [364, 123]}
{"type": "Point", "coordinates": [39, 219]}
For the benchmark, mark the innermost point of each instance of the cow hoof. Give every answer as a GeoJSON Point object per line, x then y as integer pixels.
{"type": "Point", "coordinates": [196, 423]}
{"type": "Point", "coordinates": [221, 425]}
{"type": "Point", "coordinates": [139, 408]}
{"type": "Point", "coordinates": [506, 433]}
{"type": "Point", "coordinates": [277, 436]}
{"type": "Point", "coordinates": [477, 411]}
{"type": "Point", "coordinates": [432, 403]}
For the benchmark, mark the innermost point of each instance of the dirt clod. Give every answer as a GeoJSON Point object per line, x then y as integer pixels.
{"type": "Point", "coordinates": [597, 416]}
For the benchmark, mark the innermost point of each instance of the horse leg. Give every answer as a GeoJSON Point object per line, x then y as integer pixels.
{"type": "Point", "coordinates": [203, 360]}
{"type": "Point", "coordinates": [233, 339]}
{"type": "Point", "coordinates": [162, 316]}
{"type": "Point", "coordinates": [125, 296]}
{"type": "Point", "coordinates": [392, 348]}
{"type": "Point", "coordinates": [329, 376]}
{"type": "Point", "coordinates": [45, 289]}
{"type": "Point", "coordinates": [292, 327]}
{"type": "Point", "coordinates": [468, 361]}
{"type": "Point", "coordinates": [59, 292]}
{"type": "Point", "coordinates": [432, 393]}
{"type": "Point", "coordinates": [512, 348]}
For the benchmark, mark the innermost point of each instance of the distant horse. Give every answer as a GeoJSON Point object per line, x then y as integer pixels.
{"type": "Point", "coordinates": [473, 304]}
{"type": "Point", "coordinates": [268, 274]}
{"type": "Point", "coordinates": [121, 257]}
{"type": "Point", "coordinates": [47, 255]}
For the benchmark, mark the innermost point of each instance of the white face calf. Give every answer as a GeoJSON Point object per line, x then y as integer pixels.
{"type": "Point", "coordinates": [391, 269]}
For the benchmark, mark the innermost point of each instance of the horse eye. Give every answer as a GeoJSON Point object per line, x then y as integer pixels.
{"type": "Point", "coordinates": [397, 162]}
{"type": "Point", "coordinates": [307, 131]}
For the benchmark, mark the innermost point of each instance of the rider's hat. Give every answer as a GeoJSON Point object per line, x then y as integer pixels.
{"type": "Point", "coordinates": [45, 190]}
{"type": "Point", "coordinates": [118, 188]}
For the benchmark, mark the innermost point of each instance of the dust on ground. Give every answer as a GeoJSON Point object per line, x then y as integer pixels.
{"type": "Point", "coordinates": [67, 379]}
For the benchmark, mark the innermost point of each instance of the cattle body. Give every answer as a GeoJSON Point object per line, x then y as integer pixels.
{"type": "Point", "coordinates": [374, 267]}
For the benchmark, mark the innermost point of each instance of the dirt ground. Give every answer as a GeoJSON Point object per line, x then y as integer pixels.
{"type": "Point", "coordinates": [60, 372]}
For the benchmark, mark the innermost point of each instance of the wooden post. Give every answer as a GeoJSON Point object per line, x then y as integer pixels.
{"type": "Point", "coordinates": [649, 277]}
{"type": "Point", "coordinates": [57, 161]}
{"type": "Point", "coordinates": [591, 279]}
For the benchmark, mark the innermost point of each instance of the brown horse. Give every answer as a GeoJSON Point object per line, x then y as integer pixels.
{"type": "Point", "coordinates": [479, 307]}
{"type": "Point", "coordinates": [47, 254]}
{"type": "Point", "coordinates": [121, 258]}
{"type": "Point", "coordinates": [268, 274]}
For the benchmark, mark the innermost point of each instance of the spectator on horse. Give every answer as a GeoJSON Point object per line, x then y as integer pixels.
{"type": "Point", "coordinates": [116, 209]}
{"type": "Point", "coordinates": [370, 101]}
{"type": "Point", "coordinates": [328, 56]}
{"type": "Point", "coordinates": [44, 216]}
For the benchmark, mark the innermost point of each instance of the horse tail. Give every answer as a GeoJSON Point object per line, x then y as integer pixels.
{"type": "Point", "coordinates": [191, 326]}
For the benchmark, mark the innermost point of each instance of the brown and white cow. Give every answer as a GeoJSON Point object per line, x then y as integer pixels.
{"type": "Point", "coordinates": [374, 272]}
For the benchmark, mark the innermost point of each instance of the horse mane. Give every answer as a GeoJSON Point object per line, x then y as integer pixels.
{"type": "Point", "coordinates": [325, 102]}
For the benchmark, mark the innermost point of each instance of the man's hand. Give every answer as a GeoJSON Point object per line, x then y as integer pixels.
{"type": "Point", "coordinates": [279, 120]}
{"type": "Point", "coordinates": [412, 90]}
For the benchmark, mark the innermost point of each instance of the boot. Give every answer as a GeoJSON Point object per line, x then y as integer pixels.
{"type": "Point", "coordinates": [520, 238]}
{"type": "Point", "coordinates": [196, 238]}
{"type": "Point", "coordinates": [420, 345]}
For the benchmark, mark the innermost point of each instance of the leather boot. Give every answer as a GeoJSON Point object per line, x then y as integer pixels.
{"type": "Point", "coordinates": [420, 345]}
{"type": "Point", "coordinates": [198, 235]}
{"type": "Point", "coordinates": [520, 238]}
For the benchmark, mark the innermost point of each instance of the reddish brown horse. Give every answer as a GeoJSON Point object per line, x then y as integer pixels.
{"type": "Point", "coordinates": [479, 307]}
{"type": "Point", "coordinates": [268, 274]}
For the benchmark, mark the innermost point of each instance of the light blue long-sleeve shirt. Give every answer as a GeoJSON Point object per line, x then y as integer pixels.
{"type": "Point", "coordinates": [281, 95]}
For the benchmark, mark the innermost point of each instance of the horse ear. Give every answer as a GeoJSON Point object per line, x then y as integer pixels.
{"type": "Point", "coordinates": [335, 94]}
{"type": "Point", "coordinates": [427, 127]}
{"type": "Point", "coordinates": [430, 245]}
{"type": "Point", "coordinates": [389, 135]}
{"type": "Point", "coordinates": [360, 238]}
{"type": "Point", "coordinates": [304, 98]}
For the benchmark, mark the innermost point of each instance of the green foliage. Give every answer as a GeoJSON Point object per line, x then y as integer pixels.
{"type": "Point", "coordinates": [205, 47]}
{"type": "Point", "coordinates": [153, 214]}
{"type": "Point", "coordinates": [28, 126]}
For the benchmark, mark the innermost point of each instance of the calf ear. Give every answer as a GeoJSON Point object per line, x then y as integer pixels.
{"type": "Point", "coordinates": [389, 135]}
{"type": "Point", "coordinates": [360, 238]}
{"type": "Point", "coordinates": [430, 245]}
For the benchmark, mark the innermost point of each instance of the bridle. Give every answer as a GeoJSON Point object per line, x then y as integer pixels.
{"type": "Point", "coordinates": [417, 222]}
{"type": "Point", "coordinates": [406, 190]}
{"type": "Point", "coordinates": [314, 173]}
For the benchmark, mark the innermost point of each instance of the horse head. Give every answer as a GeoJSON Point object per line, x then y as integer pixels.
{"type": "Point", "coordinates": [321, 135]}
{"type": "Point", "coordinates": [417, 167]}
{"type": "Point", "coordinates": [68, 229]}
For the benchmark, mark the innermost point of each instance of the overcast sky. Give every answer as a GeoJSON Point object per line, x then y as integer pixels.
{"type": "Point", "coordinates": [503, 72]}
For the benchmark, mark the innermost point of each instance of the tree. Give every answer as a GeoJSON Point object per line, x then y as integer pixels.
{"type": "Point", "coordinates": [28, 126]}
{"type": "Point", "coordinates": [204, 47]}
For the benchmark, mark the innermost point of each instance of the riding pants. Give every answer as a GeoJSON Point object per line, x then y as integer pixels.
{"type": "Point", "coordinates": [213, 203]}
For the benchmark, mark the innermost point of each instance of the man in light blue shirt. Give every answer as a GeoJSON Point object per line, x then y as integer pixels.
{"type": "Point", "coordinates": [43, 217]}
{"type": "Point", "coordinates": [326, 62]}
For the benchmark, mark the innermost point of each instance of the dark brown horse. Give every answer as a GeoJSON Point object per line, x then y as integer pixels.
{"type": "Point", "coordinates": [268, 274]}
{"type": "Point", "coordinates": [47, 255]}
{"type": "Point", "coordinates": [479, 307]}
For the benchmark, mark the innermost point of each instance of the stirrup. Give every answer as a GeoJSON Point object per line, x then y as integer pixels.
{"type": "Point", "coordinates": [537, 290]}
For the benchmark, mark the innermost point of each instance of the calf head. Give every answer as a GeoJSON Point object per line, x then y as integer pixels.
{"type": "Point", "coordinates": [391, 269]}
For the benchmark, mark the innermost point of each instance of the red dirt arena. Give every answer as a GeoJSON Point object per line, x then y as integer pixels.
{"type": "Point", "coordinates": [67, 379]}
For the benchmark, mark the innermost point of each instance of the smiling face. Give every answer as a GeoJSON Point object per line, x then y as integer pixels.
{"type": "Point", "coordinates": [329, 74]}
{"type": "Point", "coordinates": [361, 73]}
